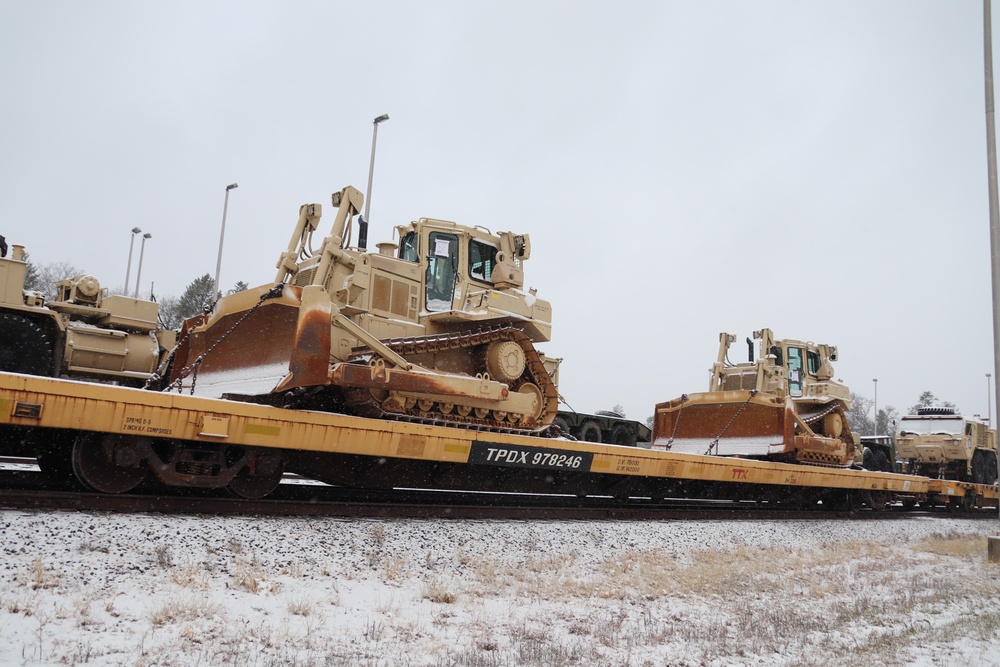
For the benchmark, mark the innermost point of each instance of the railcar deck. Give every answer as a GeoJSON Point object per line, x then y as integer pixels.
{"type": "Point", "coordinates": [370, 453]}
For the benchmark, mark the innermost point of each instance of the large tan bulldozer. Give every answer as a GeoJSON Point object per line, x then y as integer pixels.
{"type": "Point", "coordinates": [784, 406]}
{"type": "Point", "coordinates": [436, 328]}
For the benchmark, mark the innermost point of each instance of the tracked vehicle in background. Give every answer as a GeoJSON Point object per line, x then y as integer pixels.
{"type": "Point", "coordinates": [83, 333]}
{"type": "Point", "coordinates": [783, 406]}
{"type": "Point", "coordinates": [940, 443]}
{"type": "Point", "coordinates": [434, 329]}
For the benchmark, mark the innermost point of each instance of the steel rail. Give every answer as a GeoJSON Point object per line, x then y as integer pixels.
{"type": "Point", "coordinates": [28, 491]}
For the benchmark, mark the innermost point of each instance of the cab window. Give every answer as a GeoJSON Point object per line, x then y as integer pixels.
{"type": "Point", "coordinates": [482, 259]}
{"type": "Point", "coordinates": [812, 362]}
{"type": "Point", "coordinates": [408, 247]}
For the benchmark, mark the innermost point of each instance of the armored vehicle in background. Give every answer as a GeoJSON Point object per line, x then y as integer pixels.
{"type": "Point", "coordinates": [82, 333]}
{"type": "Point", "coordinates": [783, 406]}
{"type": "Point", "coordinates": [938, 442]}
{"type": "Point", "coordinates": [434, 329]}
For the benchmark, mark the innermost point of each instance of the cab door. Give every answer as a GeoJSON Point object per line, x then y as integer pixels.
{"type": "Point", "coordinates": [442, 271]}
{"type": "Point", "coordinates": [794, 371]}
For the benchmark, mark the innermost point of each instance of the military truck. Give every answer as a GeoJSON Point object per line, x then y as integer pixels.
{"type": "Point", "coordinates": [436, 328]}
{"type": "Point", "coordinates": [82, 333]}
{"type": "Point", "coordinates": [879, 453]}
{"type": "Point", "coordinates": [783, 406]}
{"type": "Point", "coordinates": [938, 442]}
{"type": "Point", "coordinates": [605, 426]}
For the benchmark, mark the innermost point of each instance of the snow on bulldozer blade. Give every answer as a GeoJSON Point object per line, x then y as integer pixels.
{"type": "Point", "coordinates": [727, 423]}
{"type": "Point", "coordinates": [758, 446]}
{"type": "Point", "coordinates": [251, 380]}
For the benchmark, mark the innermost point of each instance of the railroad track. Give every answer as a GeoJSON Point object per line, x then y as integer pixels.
{"type": "Point", "coordinates": [22, 487]}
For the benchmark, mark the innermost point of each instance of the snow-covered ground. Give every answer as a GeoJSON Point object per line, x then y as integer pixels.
{"type": "Point", "coordinates": [106, 589]}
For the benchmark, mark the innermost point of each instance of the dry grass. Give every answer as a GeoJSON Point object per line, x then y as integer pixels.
{"type": "Point", "coordinates": [185, 609]}
{"type": "Point", "coordinates": [43, 577]}
{"type": "Point", "coordinates": [248, 575]}
{"type": "Point", "coordinates": [954, 544]}
{"type": "Point", "coordinates": [191, 575]}
{"type": "Point", "coordinates": [436, 591]}
{"type": "Point", "coordinates": [851, 598]}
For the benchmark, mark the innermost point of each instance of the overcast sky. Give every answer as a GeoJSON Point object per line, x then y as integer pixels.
{"type": "Point", "coordinates": [682, 168]}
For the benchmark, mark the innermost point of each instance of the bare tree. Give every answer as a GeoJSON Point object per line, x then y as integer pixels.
{"type": "Point", "coordinates": [45, 276]}
{"type": "Point", "coordinates": [858, 417]}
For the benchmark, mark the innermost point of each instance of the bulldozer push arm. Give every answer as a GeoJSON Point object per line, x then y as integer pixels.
{"type": "Point", "coordinates": [348, 202]}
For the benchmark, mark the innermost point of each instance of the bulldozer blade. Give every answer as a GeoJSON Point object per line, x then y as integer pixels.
{"type": "Point", "coordinates": [725, 423]}
{"type": "Point", "coordinates": [258, 346]}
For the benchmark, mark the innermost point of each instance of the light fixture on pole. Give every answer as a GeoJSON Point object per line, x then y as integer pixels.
{"type": "Point", "coordinates": [363, 223]}
{"type": "Point", "coordinates": [138, 272]}
{"type": "Point", "coordinates": [989, 406]}
{"type": "Point", "coordinates": [128, 267]}
{"type": "Point", "coordinates": [875, 380]}
{"type": "Point", "coordinates": [222, 237]}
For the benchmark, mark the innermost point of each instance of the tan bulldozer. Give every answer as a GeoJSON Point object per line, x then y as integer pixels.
{"type": "Point", "coordinates": [436, 328]}
{"type": "Point", "coordinates": [783, 406]}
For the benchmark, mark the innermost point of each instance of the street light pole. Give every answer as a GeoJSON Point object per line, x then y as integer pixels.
{"type": "Point", "coordinates": [138, 273]}
{"type": "Point", "coordinates": [991, 178]}
{"type": "Point", "coordinates": [222, 236]}
{"type": "Point", "coordinates": [128, 267]}
{"type": "Point", "coordinates": [875, 380]}
{"type": "Point", "coordinates": [363, 223]}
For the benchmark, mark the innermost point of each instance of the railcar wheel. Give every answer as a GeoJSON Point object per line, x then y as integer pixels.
{"type": "Point", "coordinates": [106, 464]}
{"type": "Point", "coordinates": [259, 477]}
{"type": "Point", "coordinates": [24, 347]}
{"type": "Point", "coordinates": [877, 500]}
{"type": "Point", "coordinates": [590, 432]}
{"type": "Point", "coordinates": [969, 502]}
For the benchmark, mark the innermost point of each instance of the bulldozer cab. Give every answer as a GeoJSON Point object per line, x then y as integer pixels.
{"type": "Point", "coordinates": [798, 369]}
{"type": "Point", "coordinates": [470, 274]}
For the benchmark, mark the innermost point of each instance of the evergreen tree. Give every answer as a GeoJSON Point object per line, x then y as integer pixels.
{"type": "Point", "coordinates": [32, 281]}
{"type": "Point", "coordinates": [197, 295]}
